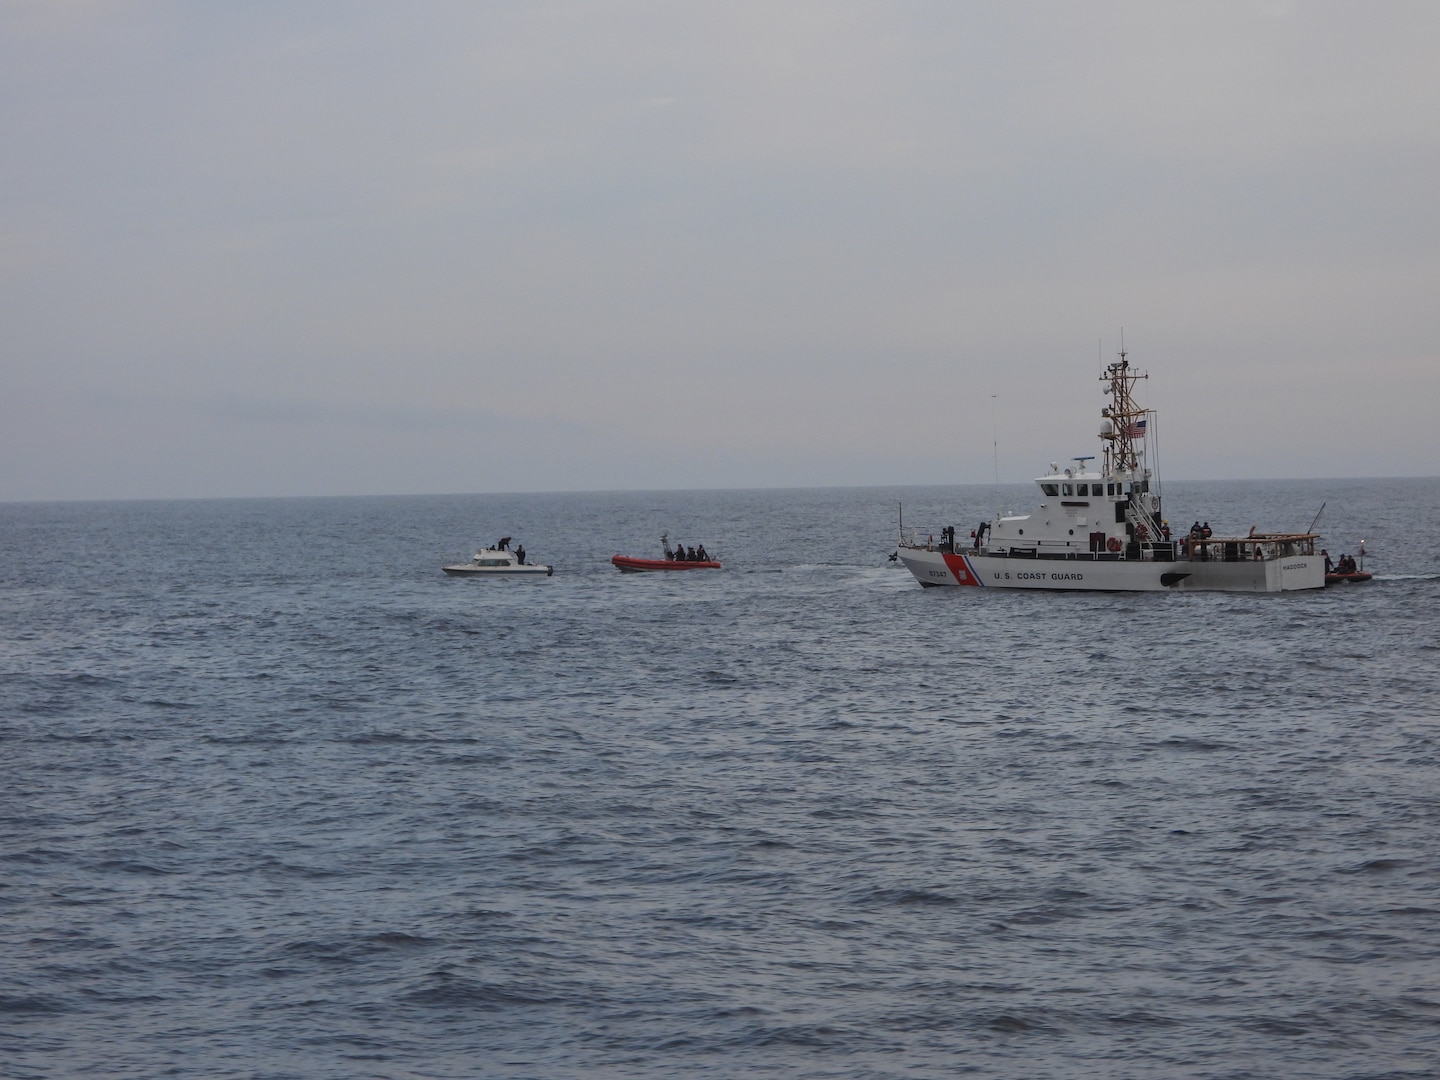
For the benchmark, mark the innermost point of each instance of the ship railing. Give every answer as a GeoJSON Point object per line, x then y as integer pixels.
{"type": "Point", "coordinates": [919, 538]}
{"type": "Point", "coordinates": [1255, 547]}
{"type": "Point", "coordinates": [1069, 549]}
{"type": "Point", "coordinates": [912, 537]}
{"type": "Point", "coordinates": [1144, 528]}
{"type": "Point", "coordinates": [1228, 549]}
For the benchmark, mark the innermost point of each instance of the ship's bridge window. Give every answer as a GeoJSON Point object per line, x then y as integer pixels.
{"type": "Point", "coordinates": [1050, 489]}
{"type": "Point", "coordinates": [1067, 489]}
{"type": "Point", "coordinates": [1082, 489]}
{"type": "Point", "coordinates": [1109, 489]}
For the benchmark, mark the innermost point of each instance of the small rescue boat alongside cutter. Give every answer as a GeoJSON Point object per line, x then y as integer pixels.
{"type": "Point", "coordinates": [1348, 579]}
{"type": "Point", "coordinates": [1346, 571]}
{"type": "Point", "coordinates": [674, 560]}
{"type": "Point", "coordinates": [1103, 530]}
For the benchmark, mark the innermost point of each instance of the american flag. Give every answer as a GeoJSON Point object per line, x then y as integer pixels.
{"type": "Point", "coordinates": [1135, 430]}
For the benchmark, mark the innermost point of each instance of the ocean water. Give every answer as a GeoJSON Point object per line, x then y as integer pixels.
{"type": "Point", "coordinates": [278, 799]}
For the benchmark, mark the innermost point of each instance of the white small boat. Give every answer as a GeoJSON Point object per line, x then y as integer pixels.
{"type": "Point", "coordinates": [498, 562]}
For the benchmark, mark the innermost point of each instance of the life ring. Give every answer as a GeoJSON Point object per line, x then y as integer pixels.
{"type": "Point", "coordinates": [1113, 544]}
{"type": "Point", "coordinates": [1142, 533]}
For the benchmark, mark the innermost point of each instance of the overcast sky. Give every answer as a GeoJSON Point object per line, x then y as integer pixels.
{"type": "Point", "coordinates": [363, 248]}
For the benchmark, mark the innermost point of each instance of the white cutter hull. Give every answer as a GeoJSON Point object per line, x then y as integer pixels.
{"type": "Point", "coordinates": [934, 567]}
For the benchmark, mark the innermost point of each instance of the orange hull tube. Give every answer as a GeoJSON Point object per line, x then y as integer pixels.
{"type": "Point", "coordinates": [631, 565]}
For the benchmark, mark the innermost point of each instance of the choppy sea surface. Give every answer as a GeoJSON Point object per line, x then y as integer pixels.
{"type": "Point", "coordinates": [279, 799]}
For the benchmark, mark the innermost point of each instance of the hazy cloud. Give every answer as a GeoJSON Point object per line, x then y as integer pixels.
{"type": "Point", "coordinates": [654, 244]}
